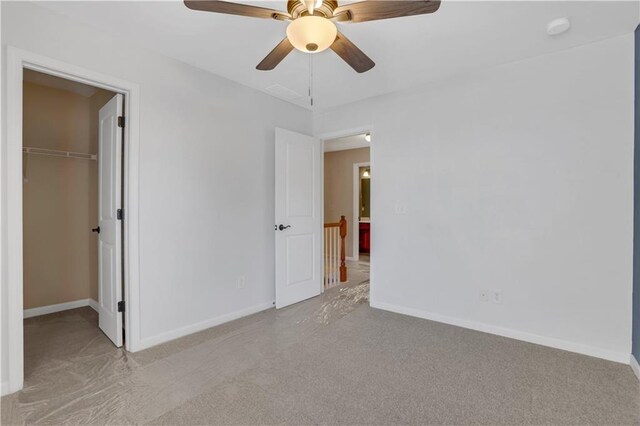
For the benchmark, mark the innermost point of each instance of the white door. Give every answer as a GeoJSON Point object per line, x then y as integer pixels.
{"type": "Point", "coordinates": [110, 236]}
{"type": "Point", "coordinates": [298, 217]}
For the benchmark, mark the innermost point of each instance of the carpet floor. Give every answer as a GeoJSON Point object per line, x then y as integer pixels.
{"type": "Point", "coordinates": [328, 360]}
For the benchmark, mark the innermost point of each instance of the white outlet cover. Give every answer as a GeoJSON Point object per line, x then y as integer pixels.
{"type": "Point", "coordinates": [484, 295]}
{"type": "Point", "coordinates": [496, 296]}
{"type": "Point", "coordinates": [401, 208]}
{"type": "Point", "coordinates": [240, 282]}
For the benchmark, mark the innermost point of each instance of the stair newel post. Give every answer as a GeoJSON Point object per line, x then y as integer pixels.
{"type": "Point", "coordinates": [343, 235]}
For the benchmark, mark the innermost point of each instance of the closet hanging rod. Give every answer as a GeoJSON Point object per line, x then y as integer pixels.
{"type": "Point", "coordinates": [56, 153]}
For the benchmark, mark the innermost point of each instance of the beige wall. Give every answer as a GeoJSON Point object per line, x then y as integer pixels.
{"type": "Point", "coordinates": [60, 196]}
{"type": "Point", "coordinates": [338, 187]}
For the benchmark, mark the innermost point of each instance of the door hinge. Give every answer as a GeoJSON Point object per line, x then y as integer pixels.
{"type": "Point", "coordinates": [121, 306]}
{"type": "Point", "coordinates": [120, 121]}
{"type": "Point", "coordinates": [120, 214]}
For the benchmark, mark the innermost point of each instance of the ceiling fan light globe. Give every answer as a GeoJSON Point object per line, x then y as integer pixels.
{"type": "Point", "coordinates": [312, 34]}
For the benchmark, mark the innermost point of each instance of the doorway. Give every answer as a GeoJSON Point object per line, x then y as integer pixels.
{"type": "Point", "coordinates": [347, 177]}
{"type": "Point", "coordinates": [71, 180]}
{"type": "Point", "coordinates": [20, 62]}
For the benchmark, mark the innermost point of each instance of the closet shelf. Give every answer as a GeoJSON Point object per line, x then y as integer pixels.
{"type": "Point", "coordinates": [56, 153]}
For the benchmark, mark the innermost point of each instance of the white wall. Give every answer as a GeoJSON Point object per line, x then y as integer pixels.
{"type": "Point", "coordinates": [206, 174]}
{"type": "Point", "coordinates": [517, 178]}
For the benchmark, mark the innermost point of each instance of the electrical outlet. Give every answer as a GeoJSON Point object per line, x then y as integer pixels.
{"type": "Point", "coordinates": [484, 295]}
{"type": "Point", "coordinates": [240, 282]}
{"type": "Point", "coordinates": [496, 296]}
{"type": "Point", "coordinates": [401, 208]}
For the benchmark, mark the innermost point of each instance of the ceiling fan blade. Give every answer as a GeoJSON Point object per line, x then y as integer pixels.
{"type": "Point", "coordinates": [350, 53]}
{"type": "Point", "coordinates": [373, 10]}
{"type": "Point", "coordinates": [276, 55]}
{"type": "Point", "coordinates": [229, 8]}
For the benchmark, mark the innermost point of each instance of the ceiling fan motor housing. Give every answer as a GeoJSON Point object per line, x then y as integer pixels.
{"type": "Point", "coordinates": [297, 8]}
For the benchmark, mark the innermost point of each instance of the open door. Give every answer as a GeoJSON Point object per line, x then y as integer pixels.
{"type": "Point", "coordinates": [109, 212]}
{"type": "Point", "coordinates": [298, 217]}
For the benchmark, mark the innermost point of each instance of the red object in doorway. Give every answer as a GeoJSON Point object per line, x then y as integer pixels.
{"type": "Point", "coordinates": [365, 233]}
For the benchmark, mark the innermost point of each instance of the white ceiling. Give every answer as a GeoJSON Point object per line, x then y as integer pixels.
{"type": "Point", "coordinates": [460, 37]}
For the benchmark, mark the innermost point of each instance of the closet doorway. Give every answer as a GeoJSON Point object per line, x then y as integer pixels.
{"type": "Point", "coordinates": [72, 216]}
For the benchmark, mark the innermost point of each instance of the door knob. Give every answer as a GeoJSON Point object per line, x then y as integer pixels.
{"type": "Point", "coordinates": [282, 227]}
{"type": "Point", "coordinates": [96, 229]}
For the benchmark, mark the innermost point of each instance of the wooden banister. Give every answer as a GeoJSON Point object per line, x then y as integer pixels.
{"type": "Point", "coordinates": [335, 255]}
{"type": "Point", "coordinates": [343, 236]}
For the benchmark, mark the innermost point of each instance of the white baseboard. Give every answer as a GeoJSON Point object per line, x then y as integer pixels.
{"type": "Point", "coordinates": [94, 305]}
{"type": "Point", "coordinates": [5, 388]}
{"type": "Point", "coordinates": [506, 332]}
{"type": "Point", "coordinates": [635, 366]}
{"type": "Point", "coordinates": [50, 309]}
{"type": "Point", "coordinates": [203, 325]}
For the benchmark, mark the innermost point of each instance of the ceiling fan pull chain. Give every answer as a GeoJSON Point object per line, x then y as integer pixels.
{"type": "Point", "coordinates": [311, 78]}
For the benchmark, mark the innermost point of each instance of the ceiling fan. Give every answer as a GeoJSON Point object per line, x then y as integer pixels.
{"type": "Point", "coordinates": [312, 27]}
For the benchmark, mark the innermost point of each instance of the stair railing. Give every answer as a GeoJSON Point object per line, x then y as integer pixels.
{"type": "Point", "coordinates": [335, 267]}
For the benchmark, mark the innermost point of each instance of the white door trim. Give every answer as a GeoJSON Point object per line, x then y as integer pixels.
{"type": "Point", "coordinates": [17, 60]}
{"type": "Point", "coordinates": [356, 207]}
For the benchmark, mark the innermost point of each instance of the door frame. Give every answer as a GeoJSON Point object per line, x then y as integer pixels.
{"type": "Point", "coordinates": [358, 130]}
{"type": "Point", "coordinates": [17, 61]}
{"type": "Point", "coordinates": [356, 205]}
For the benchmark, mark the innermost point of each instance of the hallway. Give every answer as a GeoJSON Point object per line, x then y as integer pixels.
{"type": "Point", "coordinates": [358, 270]}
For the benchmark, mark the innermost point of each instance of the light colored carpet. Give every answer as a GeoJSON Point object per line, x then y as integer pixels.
{"type": "Point", "coordinates": [329, 360]}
